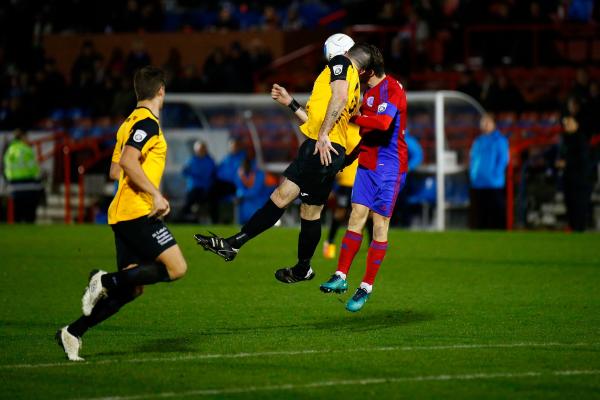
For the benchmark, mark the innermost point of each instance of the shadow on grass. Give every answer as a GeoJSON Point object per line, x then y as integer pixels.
{"type": "Point", "coordinates": [367, 321]}
{"type": "Point", "coordinates": [349, 323]}
{"type": "Point", "coordinates": [27, 325]}
{"type": "Point", "coordinates": [360, 322]}
{"type": "Point", "coordinates": [169, 345]}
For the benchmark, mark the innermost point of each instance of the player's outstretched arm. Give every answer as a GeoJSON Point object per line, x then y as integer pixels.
{"type": "Point", "coordinates": [339, 97]}
{"type": "Point", "coordinates": [281, 95]}
{"type": "Point", "coordinates": [373, 122]}
{"type": "Point", "coordinates": [130, 162]}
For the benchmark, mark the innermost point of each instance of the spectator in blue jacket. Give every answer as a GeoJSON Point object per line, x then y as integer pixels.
{"type": "Point", "coordinates": [415, 151]}
{"type": "Point", "coordinates": [224, 189]}
{"type": "Point", "coordinates": [199, 172]}
{"type": "Point", "coordinates": [252, 192]}
{"type": "Point", "coordinates": [487, 172]}
{"type": "Point", "coordinates": [228, 167]}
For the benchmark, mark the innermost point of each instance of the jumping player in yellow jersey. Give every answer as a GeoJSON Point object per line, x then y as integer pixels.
{"type": "Point", "coordinates": [146, 251]}
{"type": "Point", "coordinates": [334, 99]}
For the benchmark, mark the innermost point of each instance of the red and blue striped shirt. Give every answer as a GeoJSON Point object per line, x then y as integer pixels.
{"type": "Point", "coordinates": [382, 124]}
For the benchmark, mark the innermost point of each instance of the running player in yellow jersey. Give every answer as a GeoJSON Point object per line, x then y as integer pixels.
{"type": "Point", "coordinates": [334, 99]}
{"type": "Point", "coordinates": [146, 251]}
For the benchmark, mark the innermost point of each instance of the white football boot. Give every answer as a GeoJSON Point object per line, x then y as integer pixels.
{"type": "Point", "coordinates": [93, 292]}
{"type": "Point", "coordinates": [71, 344]}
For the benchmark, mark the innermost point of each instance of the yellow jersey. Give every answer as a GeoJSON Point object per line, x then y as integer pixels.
{"type": "Point", "coordinates": [338, 68]}
{"type": "Point", "coordinates": [346, 176]}
{"type": "Point", "coordinates": [122, 135]}
{"type": "Point", "coordinates": [142, 131]}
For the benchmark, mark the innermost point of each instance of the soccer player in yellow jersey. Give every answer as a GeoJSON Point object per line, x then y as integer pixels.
{"type": "Point", "coordinates": [146, 251]}
{"type": "Point", "coordinates": [334, 99]}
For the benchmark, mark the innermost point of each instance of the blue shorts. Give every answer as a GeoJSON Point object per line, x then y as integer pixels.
{"type": "Point", "coordinates": [377, 189]}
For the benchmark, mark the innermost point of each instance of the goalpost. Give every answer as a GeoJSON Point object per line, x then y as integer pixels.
{"type": "Point", "coordinates": [445, 122]}
{"type": "Point", "coordinates": [445, 101]}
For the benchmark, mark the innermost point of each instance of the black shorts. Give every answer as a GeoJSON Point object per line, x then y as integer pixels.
{"type": "Point", "coordinates": [343, 196]}
{"type": "Point", "coordinates": [141, 240]}
{"type": "Point", "coordinates": [315, 180]}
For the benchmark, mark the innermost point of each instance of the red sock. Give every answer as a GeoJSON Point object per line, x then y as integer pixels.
{"type": "Point", "coordinates": [350, 246]}
{"type": "Point", "coordinates": [374, 259]}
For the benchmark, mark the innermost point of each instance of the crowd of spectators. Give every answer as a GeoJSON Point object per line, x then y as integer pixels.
{"type": "Point", "coordinates": [99, 87]}
{"type": "Point", "coordinates": [427, 36]}
{"type": "Point", "coordinates": [429, 17]}
{"type": "Point", "coordinates": [434, 31]}
{"type": "Point", "coordinates": [78, 16]}
{"type": "Point", "coordinates": [32, 88]}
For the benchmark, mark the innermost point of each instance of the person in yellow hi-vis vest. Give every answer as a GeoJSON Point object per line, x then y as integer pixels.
{"type": "Point", "coordinates": [22, 173]}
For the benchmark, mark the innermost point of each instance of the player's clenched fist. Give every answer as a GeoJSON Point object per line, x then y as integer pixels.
{"type": "Point", "coordinates": [160, 206]}
{"type": "Point", "coordinates": [280, 95]}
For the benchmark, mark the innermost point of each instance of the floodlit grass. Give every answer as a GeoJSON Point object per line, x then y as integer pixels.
{"type": "Point", "coordinates": [452, 315]}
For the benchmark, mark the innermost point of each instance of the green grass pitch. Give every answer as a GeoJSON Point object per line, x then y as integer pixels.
{"type": "Point", "coordinates": [453, 315]}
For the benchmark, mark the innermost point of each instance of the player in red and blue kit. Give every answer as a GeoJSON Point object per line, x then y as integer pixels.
{"type": "Point", "coordinates": [382, 160]}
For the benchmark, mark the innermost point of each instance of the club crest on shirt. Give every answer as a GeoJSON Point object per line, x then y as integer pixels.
{"type": "Point", "coordinates": [370, 101]}
{"type": "Point", "coordinates": [337, 69]}
{"type": "Point", "coordinates": [381, 107]}
{"type": "Point", "coordinates": [139, 135]}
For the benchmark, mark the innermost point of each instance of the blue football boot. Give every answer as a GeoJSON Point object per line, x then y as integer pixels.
{"type": "Point", "coordinates": [357, 302]}
{"type": "Point", "coordinates": [335, 284]}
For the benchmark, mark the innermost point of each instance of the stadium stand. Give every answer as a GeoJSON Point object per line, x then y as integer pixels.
{"type": "Point", "coordinates": [464, 45]}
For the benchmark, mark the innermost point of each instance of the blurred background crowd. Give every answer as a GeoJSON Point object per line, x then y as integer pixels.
{"type": "Point", "coordinates": [66, 65]}
{"type": "Point", "coordinates": [425, 36]}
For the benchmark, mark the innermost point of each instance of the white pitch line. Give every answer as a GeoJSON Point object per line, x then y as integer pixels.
{"type": "Point", "coordinates": [348, 382]}
{"type": "Point", "coordinates": [194, 357]}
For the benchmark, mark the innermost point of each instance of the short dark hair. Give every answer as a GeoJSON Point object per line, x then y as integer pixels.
{"type": "Point", "coordinates": [361, 54]}
{"type": "Point", "coordinates": [147, 81]}
{"type": "Point", "coordinates": [377, 64]}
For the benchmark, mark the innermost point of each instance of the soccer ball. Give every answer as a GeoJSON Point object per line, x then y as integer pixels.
{"type": "Point", "coordinates": [337, 44]}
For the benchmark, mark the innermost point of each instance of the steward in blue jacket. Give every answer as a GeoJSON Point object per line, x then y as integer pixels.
{"type": "Point", "coordinates": [487, 172]}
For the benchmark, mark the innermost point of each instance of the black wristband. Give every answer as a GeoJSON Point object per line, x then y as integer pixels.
{"type": "Point", "coordinates": [294, 105]}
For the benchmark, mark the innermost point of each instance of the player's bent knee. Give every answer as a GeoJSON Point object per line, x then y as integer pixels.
{"type": "Point", "coordinates": [359, 211]}
{"type": "Point", "coordinates": [358, 217]}
{"type": "Point", "coordinates": [285, 193]}
{"type": "Point", "coordinates": [380, 228]}
{"type": "Point", "coordinates": [173, 260]}
{"type": "Point", "coordinates": [310, 212]}
{"type": "Point", "coordinates": [177, 270]}
{"type": "Point", "coordinates": [279, 200]}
